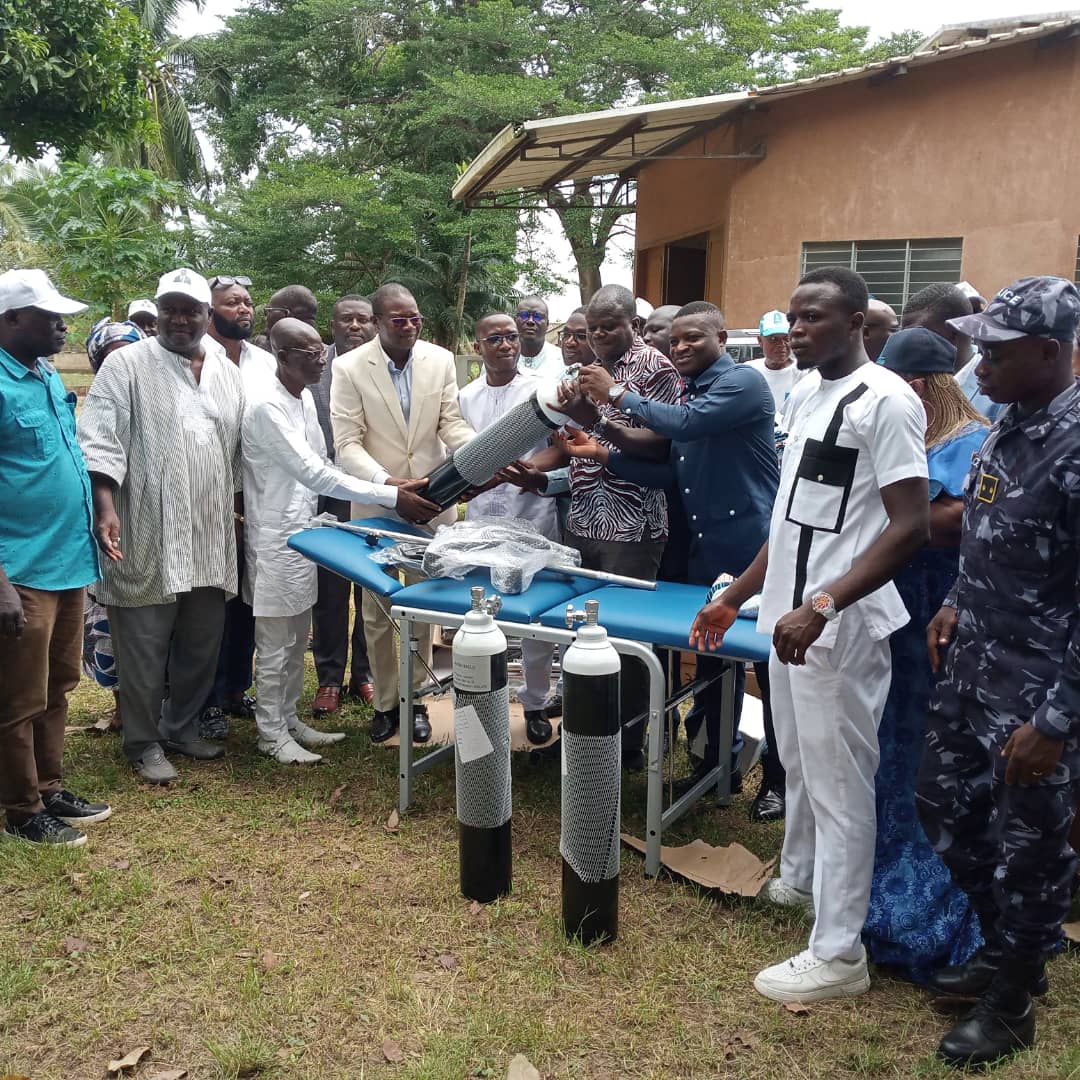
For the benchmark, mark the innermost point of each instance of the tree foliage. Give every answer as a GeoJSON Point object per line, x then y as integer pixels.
{"type": "Point", "coordinates": [105, 232]}
{"type": "Point", "coordinates": [72, 74]}
{"type": "Point", "coordinates": [400, 93]}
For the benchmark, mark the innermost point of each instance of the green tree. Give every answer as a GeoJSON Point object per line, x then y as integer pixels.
{"type": "Point", "coordinates": [72, 74]}
{"type": "Point", "coordinates": [403, 92]}
{"type": "Point", "coordinates": [105, 232]}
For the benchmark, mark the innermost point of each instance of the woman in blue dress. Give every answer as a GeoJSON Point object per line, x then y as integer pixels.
{"type": "Point", "coordinates": [919, 921]}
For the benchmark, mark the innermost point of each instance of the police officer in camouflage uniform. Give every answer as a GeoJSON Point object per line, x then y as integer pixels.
{"type": "Point", "coordinates": [1000, 775]}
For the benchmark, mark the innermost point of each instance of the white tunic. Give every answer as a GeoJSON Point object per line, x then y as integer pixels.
{"type": "Point", "coordinates": [828, 509]}
{"type": "Point", "coordinates": [481, 405]}
{"type": "Point", "coordinates": [547, 364]}
{"type": "Point", "coordinates": [258, 368]}
{"type": "Point", "coordinates": [781, 381]}
{"type": "Point", "coordinates": [285, 470]}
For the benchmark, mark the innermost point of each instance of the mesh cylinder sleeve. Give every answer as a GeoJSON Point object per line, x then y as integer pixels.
{"type": "Point", "coordinates": [482, 773]}
{"type": "Point", "coordinates": [512, 436]}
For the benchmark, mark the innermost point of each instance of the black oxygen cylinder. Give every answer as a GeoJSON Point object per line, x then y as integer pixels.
{"type": "Point", "coordinates": [482, 753]}
{"type": "Point", "coordinates": [514, 434]}
{"type": "Point", "coordinates": [591, 784]}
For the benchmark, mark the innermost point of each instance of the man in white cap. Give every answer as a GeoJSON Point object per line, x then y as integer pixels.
{"type": "Point", "coordinates": [47, 558]}
{"type": "Point", "coordinates": [143, 313]}
{"type": "Point", "coordinates": [777, 367]}
{"type": "Point", "coordinates": [160, 431]}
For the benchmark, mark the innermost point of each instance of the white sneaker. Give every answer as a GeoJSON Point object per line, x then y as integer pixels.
{"type": "Point", "coordinates": [309, 736]}
{"type": "Point", "coordinates": [289, 752]}
{"type": "Point", "coordinates": [805, 978]}
{"type": "Point", "coordinates": [778, 891]}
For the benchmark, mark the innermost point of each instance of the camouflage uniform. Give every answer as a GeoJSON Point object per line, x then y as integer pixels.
{"type": "Point", "coordinates": [1015, 657]}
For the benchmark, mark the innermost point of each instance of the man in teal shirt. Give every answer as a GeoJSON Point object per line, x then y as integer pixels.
{"type": "Point", "coordinates": [47, 558]}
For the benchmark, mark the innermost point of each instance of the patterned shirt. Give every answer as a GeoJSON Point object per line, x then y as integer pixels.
{"type": "Point", "coordinates": [603, 506]}
{"type": "Point", "coordinates": [172, 447]}
{"type": "Point", "coordinates": [1017, 599]}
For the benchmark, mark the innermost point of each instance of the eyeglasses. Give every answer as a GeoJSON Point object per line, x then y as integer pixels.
{"type": "Point", "coordinates": [531, 316]}
{"type": "Point", "coordinates": [497, 339]}
{"type": "Point", "coordinates": [574, 335]}
{"type": "Point", "coordinates": [307, 354]}
{"type": "Point", "coordinates": [223, 281]}
{"type": "Point", "coordinates": [399, 322]}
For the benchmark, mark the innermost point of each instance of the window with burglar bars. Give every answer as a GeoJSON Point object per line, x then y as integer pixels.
{"type": "Point", "coordinates": [893, 269]}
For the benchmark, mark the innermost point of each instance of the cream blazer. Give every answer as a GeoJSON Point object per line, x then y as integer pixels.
{"type": "Point", "coordinates": [370, 432]}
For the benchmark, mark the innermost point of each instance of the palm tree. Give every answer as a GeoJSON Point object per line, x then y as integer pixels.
{"type": "Point", "coordinates": [174, 151]}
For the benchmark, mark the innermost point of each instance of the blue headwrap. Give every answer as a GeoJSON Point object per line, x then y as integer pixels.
{"type": "Point", "coordinates": [105, 333]}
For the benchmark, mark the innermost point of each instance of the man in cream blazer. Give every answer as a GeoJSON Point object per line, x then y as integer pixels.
{"type": "Point", "coordinates": [394, 410]}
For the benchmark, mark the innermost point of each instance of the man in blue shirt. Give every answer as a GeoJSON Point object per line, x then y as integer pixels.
{"type": "Point", "coordinates": [47, 558]}
{"type": "Point", "coordinates": [722, 473]}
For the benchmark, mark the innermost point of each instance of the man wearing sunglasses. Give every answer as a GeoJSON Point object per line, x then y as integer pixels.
{"type": "Point", "coordinates": [232, 321]}
{"type": "Point", "coordinates": [285, 469]}
{"type": "Point", "coordinates": [538, 355]}
{"type": "Point", "coordinates": [501, 386]}
{"type": "Point", "coordinates": [394, 409]}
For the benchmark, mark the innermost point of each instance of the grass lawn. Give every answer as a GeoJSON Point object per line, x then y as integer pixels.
{"type": "Point", "coordinates": [253, 920]}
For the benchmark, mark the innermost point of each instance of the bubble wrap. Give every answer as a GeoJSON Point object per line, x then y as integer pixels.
{"type": "Point", "coordinates": [512, 549]}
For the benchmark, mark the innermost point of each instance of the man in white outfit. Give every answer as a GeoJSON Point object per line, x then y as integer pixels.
{"type": "Point", "coordinates": [852, 508]}
{"type": "Point", "coordinates": [499, 387]}
{"type": "Point", "coordinates": [285, 470]}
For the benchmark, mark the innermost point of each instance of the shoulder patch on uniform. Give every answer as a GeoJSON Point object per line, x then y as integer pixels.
{"type": "Point", "coordinates": [987, 489]}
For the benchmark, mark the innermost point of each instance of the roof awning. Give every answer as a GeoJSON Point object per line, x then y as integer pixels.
{"type": "Point", "coordinates": [540, 154]}
{"type": "Point", "coordinates": [526, 160]}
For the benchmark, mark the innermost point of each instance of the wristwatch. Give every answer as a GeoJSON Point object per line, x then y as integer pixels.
{"type": "Point", "coordinates": [616, 391]}
{"type": "Point", "coordinates": [824, 605]}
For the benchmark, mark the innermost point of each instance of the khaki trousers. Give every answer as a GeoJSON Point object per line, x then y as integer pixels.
{"type": "Point", "coordinates": [37, 672]}
{"type": "Point", "coordinates": [380, 635]}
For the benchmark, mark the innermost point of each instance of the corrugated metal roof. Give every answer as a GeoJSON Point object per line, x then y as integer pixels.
{"type": "Point", "coordinates": [539, 154]}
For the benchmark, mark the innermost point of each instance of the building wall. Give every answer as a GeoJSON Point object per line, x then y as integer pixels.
{"type": "Point", "coordinates": [980, 146]}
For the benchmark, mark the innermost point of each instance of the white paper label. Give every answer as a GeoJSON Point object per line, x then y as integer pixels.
{"type": "Point", "coordinates": [472, 740]}
{"type": "Point", "coordinates": [472, 673]}
{"type": "Point", "coordinates": [562, 745]}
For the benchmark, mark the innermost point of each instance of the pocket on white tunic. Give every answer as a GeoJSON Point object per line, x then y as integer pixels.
{"type": "Point", "coordinates": [822, 487]}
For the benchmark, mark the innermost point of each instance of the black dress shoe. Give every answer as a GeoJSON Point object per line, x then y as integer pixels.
{"type": "Point", "coordinates": [553, 707]}
{"type": "Point", "coordinates": [973, 979]}
{"type": "Point", "coordinates": [633, 760]}
{"type": "Point", "coordinates": [383, 724]}
{"type": "Point", "coordinates": [537, 726]}
{"type": "Point", "coordinates": [1002, 1023]}
{"type": "Point", "coordinates": [243, 706]}
{"type": "Point", "coordinates": [421, 725]}
{"type": "Point", "coordinates": [768, 805]}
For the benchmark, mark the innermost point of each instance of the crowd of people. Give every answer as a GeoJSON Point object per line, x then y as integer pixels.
{"type": "Point", "coordinates": [915, 567]}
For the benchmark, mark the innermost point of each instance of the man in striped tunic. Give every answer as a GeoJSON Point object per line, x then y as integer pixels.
{"type": "Point", "coordinates": [160, 432]}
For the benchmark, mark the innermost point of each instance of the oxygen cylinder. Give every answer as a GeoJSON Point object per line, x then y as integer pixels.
{"type": "Point", "coordinates": [591, 782]}
{"type": "Point", "coordinates": [514, 434]}
{"type": "Point", "coordinates": [482, 752]}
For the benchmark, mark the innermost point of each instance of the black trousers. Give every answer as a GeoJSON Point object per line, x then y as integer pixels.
{"type": "Point", "coordinates": [330, 621]}
{"type": "Point", "coordinates": [639, 560]}
{"type": "Point", "coordinates": [236, 656]}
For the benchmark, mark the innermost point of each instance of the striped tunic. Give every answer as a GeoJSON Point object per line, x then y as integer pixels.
{"type": "Point", "coordinates": [172, 446]}
{"type": "Point", "coordinates": [602, 505]}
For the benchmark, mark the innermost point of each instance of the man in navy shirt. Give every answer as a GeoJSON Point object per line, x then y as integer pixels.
{"type": "Point", "coordinates": [47, 558]}
{"type": "Point", "coordinates": [722, 474]}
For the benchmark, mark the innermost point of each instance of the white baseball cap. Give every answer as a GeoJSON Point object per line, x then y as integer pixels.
{"type": "Point", "coordinates": [187, 283]}
{"type": "Point", "coordinates": [773, 322]}
{"type": "Point", "coordinates": [32, 288]}
{"type": "Point", "coordinates": [142, 307]}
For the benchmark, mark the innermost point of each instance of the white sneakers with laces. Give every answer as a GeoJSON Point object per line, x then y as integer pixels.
{"type": "Point", "coordinates": [806, 978]}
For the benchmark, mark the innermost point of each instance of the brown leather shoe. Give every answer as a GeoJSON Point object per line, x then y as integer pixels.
{"type": "Point", "coordinates": [364, 691]}
{"type": "Point", "coordinates": [327, 700]}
